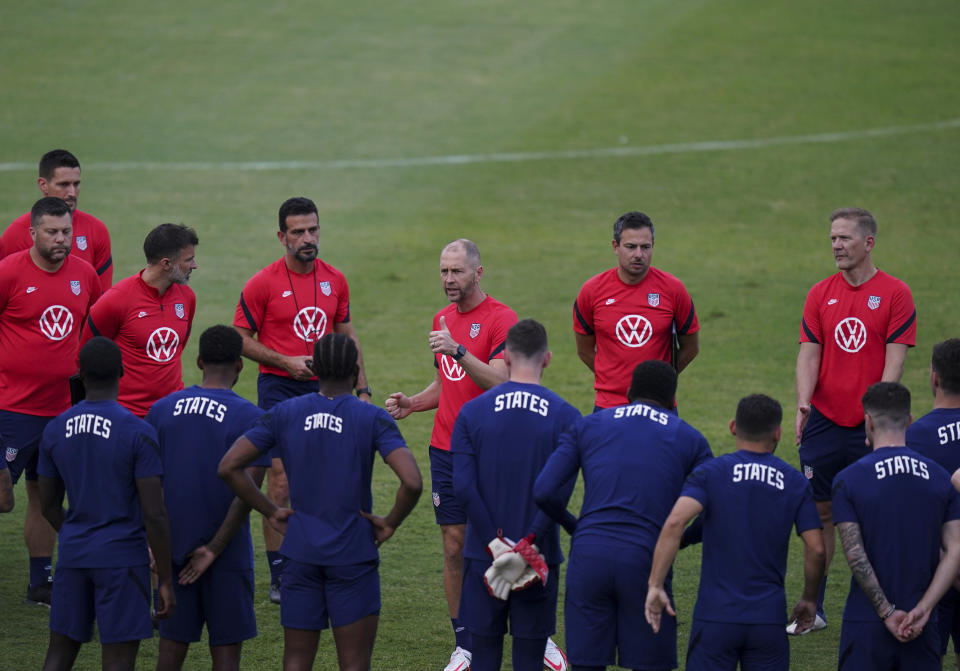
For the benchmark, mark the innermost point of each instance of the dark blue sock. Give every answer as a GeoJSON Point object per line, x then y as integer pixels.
{"type": "Point", "coordinates": [461, 634]}
{"type": "Point", "coordinates": [275, 561]}
{"type": "Point", "coordinates": [528, 653]}
{"type": "Point", "coordinates": [487, 653]}
{"type": "Point", "coordinates": [39, 571]}
{"type": "Point", "coordinates": [823, 591]}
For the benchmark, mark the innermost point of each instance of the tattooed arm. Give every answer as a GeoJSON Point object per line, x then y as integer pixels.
{"type": "Point", "coordinates": [862, 571]}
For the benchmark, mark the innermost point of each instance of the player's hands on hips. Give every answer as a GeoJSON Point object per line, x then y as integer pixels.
{"type": "Point", "coordinates": [166, 601]}
{"type": "Point", "coordinates": [200, 560]}
{"type": "Point", "coordinates": [398, 405]}
{"type": "Point", "coordinates": [299, 368]}
{"type": "Point", "coordinates": [803, 414]}
{"type": "Point", "coordinates": [441, 342]}
{"type": "Point", "coordinates": [805, 612]}
{"type": "Point", "coordinates": [381, 530]}
{"type": "Point", "coordinates": [278, 520]}
{"type": "Point", "coordinates": [908, 625]}
{"type": "Point", "coordinates": [657, 602]}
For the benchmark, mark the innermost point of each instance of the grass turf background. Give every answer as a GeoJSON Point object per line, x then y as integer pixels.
{"type": "Point", "coordinates": [157, 100]}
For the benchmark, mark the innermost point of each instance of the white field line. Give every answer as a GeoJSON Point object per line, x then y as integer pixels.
{"type": "Point", "coordinates": [511, 157]}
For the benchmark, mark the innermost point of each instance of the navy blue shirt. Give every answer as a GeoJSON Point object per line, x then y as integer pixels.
{"type": "Point", "coordinates": [500, 442]}
{"type": "Point", "coordinates": [99, 449]}
{"type": "Point", "coordinates": [196, 427]}
{"type": "Point", "coordinates": [936, 436]}
{"type": "Point", "coordinates": [901, 500]}
{"type": "Point", "coordinates": [634, 460]}
{"type": "Point", "coordinates": [751, 501]}
{"type": "Point", "coordinates": [327, 447]}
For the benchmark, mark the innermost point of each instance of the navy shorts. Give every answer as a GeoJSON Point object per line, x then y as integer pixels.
{"type": "Point", "coordinates": [868, 645]}
{"type": "Point", "coordinates": [721, 646]}
{"type": "Point", "coordinates": [20, 436]}
{"type": "Point", "coordinates": [118, 598]}
{"type": "Point", "coordinates": [223, 599]}
{"type": "Point", "coordinates": [826, 449]}
{"type": "Point", "coordinates": [446, 508]}
{"type": "Point", "coordinates": [948, 620]}
{"type": "Point", "coordinates": [314, 597]}
{"type": "Point", "coordinates": [271, 389]}
{"type": "Point", "coordinates": [603, 611]}
{"type": "Point", "coordinates": [532, 612]}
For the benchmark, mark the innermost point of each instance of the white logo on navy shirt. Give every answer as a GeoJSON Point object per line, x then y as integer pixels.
{"type": "Point", "coordinates": [162, 344]}
{"type": "Point", "coordinates": [310, 323]}
{"type": "Point", "coordinates": [851, 335]}
{"type": "Point", "coordinates": [634, 330]}
{"type": "Point", "coordinates": [56, 322]}
{"type": "Point", "coordinates": [451, 369]}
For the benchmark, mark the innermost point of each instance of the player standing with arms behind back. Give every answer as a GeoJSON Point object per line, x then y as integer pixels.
{"type": "Point", "coordinates": [500, 442]}
{"type": "Point", "coordinates": [327, 442]}
{"type": "Point", "coordinates": [856, 328]}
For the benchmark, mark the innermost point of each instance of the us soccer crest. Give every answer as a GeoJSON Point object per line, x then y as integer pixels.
{"type": "Point", "coordinates": [474, 329]}
{"type": "Point", "coordinates": [873, 302]}
{"type": "Point", "coordinates": [75, 287]}
{"type": "Point", "coordinates": [808, 472]}
{"type": "Point", "coordinates": [81, 241]}
{"type": "Point", "coordinates": [436, 499]}
{"type": "Point", "coordinates": [178, 308]}
{"type": "Point", "coordinates": [653, 300]}
{"type": "Point", "coordinates": [325, 288]}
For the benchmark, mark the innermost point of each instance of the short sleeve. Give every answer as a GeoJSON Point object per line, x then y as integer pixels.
{"type": "Point", "coordinates": [102, 257]}
{"type": "Point", "coordinates": [902, 328]}
{"type": "Point", "coordinates": [147, 455]}
{"type": "Point", "coordinates": [506, 318]}
{"type": "Point", "coordinates": [807, 516]}
{"type": "Point", "coordinates": [251, 308]}
{"type": "Point", "coordinates": [583, 312]}
{"type": "Point", "coordinates": [684, 314]}
{"type": "Point", "coordinates": [105, 318]}
{"type": "Point", "coordinates": [343, 303]}
{"type": "Point", "coordinates": [387, 436]}
{"type": "Point", "coordinates": [843, 507]}
{"type": "Point", "coordinates": [810, 329]}
{"type": "Point", "coordinates": [696, 485]}
{"type": "Point", "coordinates": [262, 434]}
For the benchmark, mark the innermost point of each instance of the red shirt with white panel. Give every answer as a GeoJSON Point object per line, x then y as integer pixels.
{"type": "Point", "coordinates": [91, 242]}
{"type": "Point", "coordinates": [290, 311]}
{"type": "Point", "coordinates": [483, 331]}
{"type": "Point", "coordinates": [632, 323]}
{"type": "Point", "coordinates": [853, 326]}
{"type": "Point", "coordinates": [151, 331]}
{"type": "Point", "coordinates": [41, 316]}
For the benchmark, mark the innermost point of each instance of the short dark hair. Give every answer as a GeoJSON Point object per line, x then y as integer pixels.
{"type": "Point", "coordinates": [58, 158]}
{"type": "Point", "coordinates": [946, 364]}
{"type": "Point", "coordinates": [758, 417]}
{"type": "Point", "coordinates": [335, 357]}
{"type": "Point", "coordinates": [632, 220]}
{"type": "Point", "coordinates": [866, 224]}
{"type": "Point", "coordinates": [100, 361]}
{"type": "Point", "coordinates": [888, 404]}
{"type": "Point", "coordinates": [220, 344]}
{"type": "Point", "coordinates": [528, 338]}
{"type": "Point", "coordinates": [295, 206]}
{"type": "Point", "coordinates": [166, 241]}
{"type": "Point", "coordinates": [655, 380]}
{"type": "Point", "coordinates": [48, 206]}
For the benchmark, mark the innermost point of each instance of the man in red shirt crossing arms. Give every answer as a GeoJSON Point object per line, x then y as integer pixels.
{"type": "Point", "coordinates": [631, 313]}
{"type": "Point", "coordinates": [45, 294]}
{"type": "Point", "coordinates": [855, 331]}
{"type": "Point", "coordinates": [59, 176]}
{"type": "Point", "coordinates": [149, 316]}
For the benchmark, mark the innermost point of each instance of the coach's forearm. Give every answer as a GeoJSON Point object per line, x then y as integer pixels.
{"type": "Point", "coordinates": [808, 370]}
{"type": "Point", "coordinates": [484, 375]}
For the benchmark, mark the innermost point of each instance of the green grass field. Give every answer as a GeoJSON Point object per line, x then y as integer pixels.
{"type": "Point", "coordinates": [737, 125]}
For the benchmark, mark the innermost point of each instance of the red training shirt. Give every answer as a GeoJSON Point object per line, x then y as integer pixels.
{"type": "Point", "coordinates": [632, 323]}
{"type": "Point", "coordinates": [41, 316]}
{"type": "Point", "coordinates": [151, 331]}
{"type": "Point", "coordinates": [290, 311]}
{"type": "Point", "coordinates": [483, 331]}
{"type": "Point", "coordinates": [853, 326]}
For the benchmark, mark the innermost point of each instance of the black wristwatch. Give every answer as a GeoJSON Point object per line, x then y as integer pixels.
{"type": "Point", "coordinates": [461, 351]}
{"type": "Point", "coordinates": [365, 390]}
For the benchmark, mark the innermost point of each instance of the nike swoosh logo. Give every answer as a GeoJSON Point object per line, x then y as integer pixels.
{"type": "Point", "coordinates": [30, 290]}
{"type": "Point", "coordinates": [609, 301]}
{"type": "Point", "coordinates": [550, 665]}
{"type": "Point", "coordinates": [286, 293]}
{"type": "Point", "coordinates": [142, 314]}
{"type": "Point", "coordinates": [831, 301]}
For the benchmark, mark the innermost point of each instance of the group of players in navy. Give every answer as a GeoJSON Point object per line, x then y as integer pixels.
{"type": "Point", "coordinates": [145, 463]}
